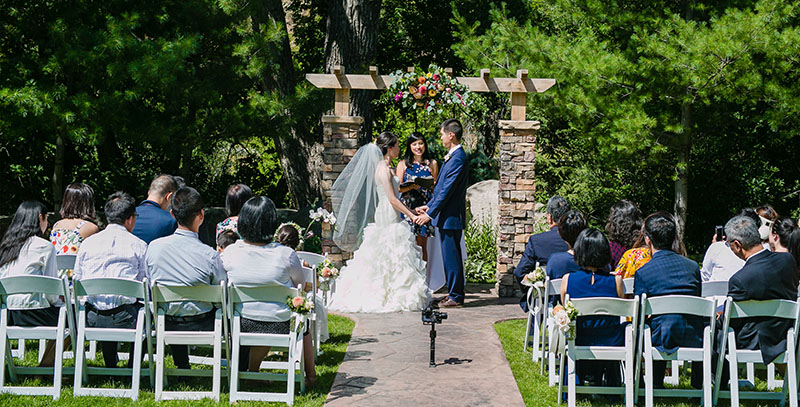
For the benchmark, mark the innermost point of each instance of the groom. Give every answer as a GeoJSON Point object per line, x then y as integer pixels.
{"type": "Point", "coordinates": [448, 210]}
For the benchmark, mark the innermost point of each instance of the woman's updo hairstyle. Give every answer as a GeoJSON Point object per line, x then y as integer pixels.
{"type": "Point", "coordinates": [385, 141]}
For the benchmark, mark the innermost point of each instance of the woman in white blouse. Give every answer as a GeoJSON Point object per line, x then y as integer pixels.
{"type": "Point", "coordinates": [23, 251]}
{"type": "Point", "coordinates": [255, 260]}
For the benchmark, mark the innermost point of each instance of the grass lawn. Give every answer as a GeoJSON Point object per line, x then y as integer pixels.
{"type": "Point", "coordinates": [536, 392]}
{"type": "Point", "coordinates": [327, 365]}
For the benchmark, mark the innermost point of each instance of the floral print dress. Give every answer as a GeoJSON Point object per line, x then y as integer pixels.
{"type": "Point", "coordinates": [67, 241]}
{"type": "Point", "coordinates": [410, 198]}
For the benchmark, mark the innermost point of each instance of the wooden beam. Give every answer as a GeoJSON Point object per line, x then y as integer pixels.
{"type": "Point", "coordinates": [519, 99]}
{"type": "Point", "coordinates": [341, 105]}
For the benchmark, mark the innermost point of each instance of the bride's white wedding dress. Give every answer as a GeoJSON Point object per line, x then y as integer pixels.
{"type": "Point", "coordinates": [386, 273]}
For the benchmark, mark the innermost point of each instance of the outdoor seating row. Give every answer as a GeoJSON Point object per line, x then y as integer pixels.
{"type": "Point", "coordinates": [155, 299]}
{"type": "Point", "coordinates": [638, 347]}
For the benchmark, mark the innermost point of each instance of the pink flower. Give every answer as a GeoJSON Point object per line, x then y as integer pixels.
{"type": "Point", "coordinates": [326, 272]}
{"type": "Point", "coordinates": [423, 89]}
{"type": "Point", "coordinates": [398, 96]}
{"type": "Point", "coordinates": [436, 77]}
{"type": "Point", "coordinates": [297, 301]}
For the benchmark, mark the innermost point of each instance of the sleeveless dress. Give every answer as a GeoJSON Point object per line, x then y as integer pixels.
{"type": "Point", "coordinates": [67, 241]}
{"type": "Point", "coordinates": [386, 273]}
{"type": "Point", "coordinates": [418, 197]}
{"type": "Point", "coordinates": [596, 331]}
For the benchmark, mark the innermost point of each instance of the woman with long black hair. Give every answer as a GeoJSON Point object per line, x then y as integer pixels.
{"type": "Point", "coordinates": [23, 251]}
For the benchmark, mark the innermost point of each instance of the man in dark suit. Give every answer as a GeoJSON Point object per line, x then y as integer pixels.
{"type": "Point", "coordinates": [153, 218]}
{"type": "Point", "coordinates": [448, 209]}
{"type": "Point", "coordinates": [669, 273]}
{"type": "Point", "coordinates": [766, 275]}
{"type": "Point", "coordinates": [541, 245]}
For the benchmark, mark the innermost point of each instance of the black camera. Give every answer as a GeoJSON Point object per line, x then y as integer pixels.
{"type": "Point", "coordinates": [432, 316]}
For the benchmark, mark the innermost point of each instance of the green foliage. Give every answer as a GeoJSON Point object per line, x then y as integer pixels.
{"type": "Point", "coordinates": [634, 78]}
{"type": "Point", "coordinates": [481, 239]}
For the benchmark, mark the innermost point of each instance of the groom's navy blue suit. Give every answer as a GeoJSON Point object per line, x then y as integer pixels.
{"type": "Point", "coordinates": [447, 208]}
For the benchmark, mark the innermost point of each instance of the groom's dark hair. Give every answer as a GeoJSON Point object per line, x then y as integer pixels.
{"type": "Point", "coordinates": [453, 126]}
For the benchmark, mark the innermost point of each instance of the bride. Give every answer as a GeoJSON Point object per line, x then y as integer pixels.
{"type": "Point", "coordinates": [386, 273]}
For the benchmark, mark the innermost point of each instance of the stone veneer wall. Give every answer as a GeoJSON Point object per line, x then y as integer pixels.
{"type": "Point", "coordinates": [516, 201]}
{"type": "Point", "coordinates": [340, 142]}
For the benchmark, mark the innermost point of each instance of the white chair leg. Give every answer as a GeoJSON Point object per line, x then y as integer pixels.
{"type": "Point", "coordinates": [790, 380]}
{"type": "Point", "coordinates": [733, 367]}
{"type": "Point", "coordinates": [59, 352]}
{"type": "Point", "coordinates": [217, 369]}
{"type": "Point", "coordinates": [751, 374]}
{"type": "Point", "coordinates": [137, 356]}
{"type": "Point", "coordinates": [5, 351]}
{"type": "Point", "coordinates": [707, 397]}
{"type": "Point", "coordinates": [159, 358]}
{"type": "Point", "coordinates": [527, 336]}
{"type": "Point", "coordinates": [629, 381]}
{"type": "Point", "coordinates": [535, 338]}
{"type": "Point", "coordinates": [80, 357]}
{"type": "Point", "coordinates": [561, 382]}
{"type": "Point", "coordinates": [772, 382]}
{"type": "Point", "coordinates": [648, 376]}
{"type": "Point", "coordinates": [20, 351]}
{"type": "Point", "coordinates": [92, 353]}
{"type": "Point", "coordinates": [570, 382]}
{"type": "Point", "coordinates": [42, 349]}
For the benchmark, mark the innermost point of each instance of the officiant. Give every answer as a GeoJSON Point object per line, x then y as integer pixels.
{"type": "Point", "coordinates": [417, 171]}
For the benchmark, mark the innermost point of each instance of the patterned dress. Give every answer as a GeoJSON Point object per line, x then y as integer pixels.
{"type": "Point", "coordinates": [632, 260]}
{"type": "Point", "coordinates": [231, 223]}
{"type": "Point", "coordinates": [67, 241]}
{"type": "Point", "coordinates": [413, 198]}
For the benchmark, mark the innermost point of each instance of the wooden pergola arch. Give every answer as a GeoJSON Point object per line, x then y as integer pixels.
{"type": "Point", "coordinates": [516, 201]}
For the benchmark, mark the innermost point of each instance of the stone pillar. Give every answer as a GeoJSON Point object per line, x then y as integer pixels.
{"type": "Point", "coordinates": [516, 199]}
{"type": "Point", "coordinates": [340, 143]}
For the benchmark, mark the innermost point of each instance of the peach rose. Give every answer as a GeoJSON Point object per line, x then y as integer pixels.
{"type": "Point", "coordinates": [326, 272]}
{"type": "Point", "coordinates": [297, 301]}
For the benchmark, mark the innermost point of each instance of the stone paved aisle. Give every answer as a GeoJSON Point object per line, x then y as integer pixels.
{"type": "Point", "coordinates": [387, 359]}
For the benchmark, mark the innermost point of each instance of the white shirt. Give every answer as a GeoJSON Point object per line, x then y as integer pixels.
{"type": "Point", "coordinates": [112, 253]}
{"type": "Point", "coordinates": [272, 264]}
{"type": "Point", "coordinates": [719, 263]}
{"type": "Point", "coordinates": [36, 258]}
{"type": "Point", "coordinates": [181, 259]}
{"type": "Point", "coordinates": [453, 148]}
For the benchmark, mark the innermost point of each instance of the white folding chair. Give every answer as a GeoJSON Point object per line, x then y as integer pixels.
{"type": "Point", "coordinates": [628, 284]}
{"type": "Point", "coordinates": [64, 262]}
{"type": "Point", "coordinates": [534, 324]}
{"type": "Point", "coordinates": [291, 344]}
{"type": "Point", "coordinates": [162, 296]}
{"type": "Point", "coordinates": [753, 309]}
{"type": "Point", "coordinates": [113, 286]}
{"type": "Point", "coordinates": [34, 285]}
{"type": "Point", "coordinates": [603, 306]}
{"type": "Point", "coordinates": [311, 258]}
{"type": "Point", "coordinates": [549, 337]}
{"type": "Point", "coordinates": [311, 275]}
{"type": "Point", "coordinates": [684, 305]}
{"type": "Point", "coordinates": [715, 289]}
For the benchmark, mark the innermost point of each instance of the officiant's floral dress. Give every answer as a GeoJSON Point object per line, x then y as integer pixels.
{"type": "Point", "coordinates": [413, 197]}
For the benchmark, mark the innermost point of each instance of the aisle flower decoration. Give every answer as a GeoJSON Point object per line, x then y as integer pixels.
{"type": "Point", "coordinates": [535, 276]}
{"type": "Point", "coordinates": [299, 304]}
{"type": "Point", "coordinates": [429, 91]}
{"type": "Point", "coordinates": [327, 273]}
{"type": "Point", "coordinates": [565, 318]}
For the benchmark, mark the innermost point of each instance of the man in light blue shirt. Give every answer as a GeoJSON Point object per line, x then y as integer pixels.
{"type": "Point", "coordinates": [117, 253]}
{"type": "Point", "coordinates": [181, 259]}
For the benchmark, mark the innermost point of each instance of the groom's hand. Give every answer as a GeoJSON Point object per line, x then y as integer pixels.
{"type": "Point", "coordinates": [421, 210]}
{"type": "Point", "coordinates": [422, 219]}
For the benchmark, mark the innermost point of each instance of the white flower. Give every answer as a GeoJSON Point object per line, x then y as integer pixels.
{"type": "Point", "coordinates": [562, 320]}
{"type": "Point", "coordinates": [314, 215]}
{"type": "Point", "coordinates": [331, 219]}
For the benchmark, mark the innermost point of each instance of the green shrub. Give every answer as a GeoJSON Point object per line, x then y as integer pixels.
{"type": "Point", "coordinates": [481, 239]}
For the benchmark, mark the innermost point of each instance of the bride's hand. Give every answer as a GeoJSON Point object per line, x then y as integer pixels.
{"type": "Point", "coordinates": [421, 209]}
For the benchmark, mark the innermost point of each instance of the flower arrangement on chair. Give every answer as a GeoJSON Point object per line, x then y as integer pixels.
{"type": "Point", "coordinates": [535, 276]}
{"type": "Point", "coordinates": [564, 317]}
{"type": "Point", "coordinates": [327, 272]}
{"type": "Point", "coordinates": [429, 91]}
{"type": "Point", "coordinates": [299, 304]}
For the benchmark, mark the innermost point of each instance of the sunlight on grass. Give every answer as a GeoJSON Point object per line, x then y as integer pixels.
{"type": "Point", "coordinates": [327, 365]}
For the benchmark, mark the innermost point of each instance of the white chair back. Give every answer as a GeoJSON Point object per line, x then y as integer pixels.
{"type": "Point", "coordinates": [714, 288]}
{"type": "Point", "coordinates": [311, 258]}
{"type": "Point", "coordinates": [628, 284]}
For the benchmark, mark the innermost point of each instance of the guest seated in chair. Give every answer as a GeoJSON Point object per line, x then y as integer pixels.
{"type": "Point", "coordinates": [113, 253]}
{"type": "Point", "coordinates": [256, 260]}
{"type": "Point", "coordinates": [569, 227]}
{"type": "Point", "coordinates": [77, 219]}
{"type": "Point", "coordinates": [154, 220]}
{"type": "Point", "coordinates": [623, 228]}
{"type": "Point", "coordinates": [592, 255]}
{"type": "Point", "coordinates": [541, 245]}
{"type": "Point", "coordinates": [766, 275]}
{"type": "Point", "coordinates": [669, 273]}
{"type": "Point", "coordinates": [23, 251]}
{"type": "Point", "coordinates": [237, 195]}
{"type": "Point", "coordinates": [181, 259]}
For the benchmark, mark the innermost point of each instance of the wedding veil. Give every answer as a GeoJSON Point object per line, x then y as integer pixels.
{"type": "Point", "coordinates": [354, 197]}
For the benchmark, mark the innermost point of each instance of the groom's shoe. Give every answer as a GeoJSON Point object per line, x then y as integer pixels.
{"type": "Point", "coordinates": [449, 303]}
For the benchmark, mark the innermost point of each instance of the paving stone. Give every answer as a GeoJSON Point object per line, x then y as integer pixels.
{"type": "Point", "coordinates": [386, 363]}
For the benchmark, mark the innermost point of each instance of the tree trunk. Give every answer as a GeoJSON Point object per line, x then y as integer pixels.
{"type": "Point", "coordinates": [682, 170]}
{"type": "Point", "coordinates": [351, 40]}
{"type": "Point", "coordinates": [300, 151]}
{"type": "Point", "coordinates": [58, 174]}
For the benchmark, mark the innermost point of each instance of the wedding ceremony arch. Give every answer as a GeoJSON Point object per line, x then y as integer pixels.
{"type": "Point", "coordinates": [516, 199]}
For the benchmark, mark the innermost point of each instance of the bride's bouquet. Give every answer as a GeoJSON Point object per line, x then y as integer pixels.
{"type": "Point", "coordinates": [327, 273]}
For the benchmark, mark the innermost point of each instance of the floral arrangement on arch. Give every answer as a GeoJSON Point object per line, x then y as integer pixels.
{"type": "Point", "coordinates": [429, 91]}
{"type": "Point", "coordinates": [565, 317]}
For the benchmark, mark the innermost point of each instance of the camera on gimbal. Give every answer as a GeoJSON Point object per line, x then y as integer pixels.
{"type": "Point", "coordinates": [433, 316]}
